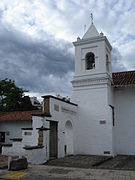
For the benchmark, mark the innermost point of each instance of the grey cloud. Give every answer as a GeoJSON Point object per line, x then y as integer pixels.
{"type": "Point", "coordinates": [30, 61]}
{"type": "Point", "coordinates": [37, 65]}
{"type": "Point", "coordinates": [117, 63]}
{"type": "Point", "coordinates": [129, 60]}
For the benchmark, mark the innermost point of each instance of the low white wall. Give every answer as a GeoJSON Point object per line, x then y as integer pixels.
{"type": "Point", "coordinates": [67, 112]}
{"type": "Point", "coordinates": [15, 150]}
{"type": "Point", "coordinates": [14, 129]}
{"type": "Point", "coordinates": [36, 156]}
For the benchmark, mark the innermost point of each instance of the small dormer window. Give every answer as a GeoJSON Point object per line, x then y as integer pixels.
{"type": "Point", "coordinates": [90, 61]}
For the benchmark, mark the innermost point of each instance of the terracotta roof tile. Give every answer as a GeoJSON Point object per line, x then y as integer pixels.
{"type": "Point", "coordinates": [126, 78]}
{"type": "Point", "coordinates": [18, 115]}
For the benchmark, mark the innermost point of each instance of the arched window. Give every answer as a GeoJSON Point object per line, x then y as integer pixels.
{"type": "Point", "coordinates": [68, 148]}
{"type": "Point", "coordinates": [90, 61]}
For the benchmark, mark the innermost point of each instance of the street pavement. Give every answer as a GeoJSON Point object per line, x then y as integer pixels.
{"type": "Point", "coordinates": [43, 172]}
{"type": "Point", "coordinates": [77, 167]}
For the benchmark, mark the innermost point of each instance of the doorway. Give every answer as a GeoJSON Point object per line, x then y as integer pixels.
{"type": "Point", "coordinates": [2, 137]}
{"type": "Point", "coordinates": [53, 144]}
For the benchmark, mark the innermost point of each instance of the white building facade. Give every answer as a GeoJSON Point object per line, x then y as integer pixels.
{"type": "Point", "coordinates": [99, 119]}
{"type": "Point", "coordinates": [52, 134]}
{"type": "Point", "coordinates": [106, 100]}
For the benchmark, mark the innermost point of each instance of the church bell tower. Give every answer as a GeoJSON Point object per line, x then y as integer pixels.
{"type": "Point", "coordinates": [92, 57]}
{"type": "Point", "coordinates": [92, 92]}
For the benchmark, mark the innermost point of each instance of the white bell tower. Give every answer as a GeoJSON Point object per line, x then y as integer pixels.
{"type": "Point", "coordinates": [92, 55]}
{"type": "Point", "coordinates": [92, 92]}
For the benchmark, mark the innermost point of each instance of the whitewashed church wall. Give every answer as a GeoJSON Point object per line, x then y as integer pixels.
{"type": "Point", "coordinates": [125, 120]}
{"type": "Point", "coordinates": [94, 128]}
{"type": "Point", "coordinates": [13, 129]}
{"type": "Point", "coordinates": [111, 103]}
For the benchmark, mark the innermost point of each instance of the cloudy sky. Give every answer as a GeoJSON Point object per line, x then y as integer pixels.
{"type": "Point", "coordinates": [36, 39]}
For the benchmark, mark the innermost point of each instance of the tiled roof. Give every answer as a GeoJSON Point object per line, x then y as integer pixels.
{"type": "Point", "coordinates": [126, 78]}
{"type": "Point", "coordinates": [18, 115]}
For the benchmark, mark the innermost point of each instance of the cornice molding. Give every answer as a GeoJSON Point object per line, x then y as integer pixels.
{"type": "Point", "coordinates": [91, 82]}
{"type": "Point", "coordinates": [98, 74]}
{"type": "Point", "coordinates": [93, 40]}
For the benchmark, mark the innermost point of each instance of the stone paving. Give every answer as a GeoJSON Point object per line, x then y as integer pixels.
{"type": "Point", "coordinates": [120, 162]}
{"type": "Point", "coordinates": [79, 161]}
{"type": "Point", "coordinates": [41, 172]}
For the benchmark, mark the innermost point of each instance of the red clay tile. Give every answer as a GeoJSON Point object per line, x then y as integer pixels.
{"type": "Point", "coordinates": [126, 78]}
{"type": "Point", "coordinates": [18, 115]}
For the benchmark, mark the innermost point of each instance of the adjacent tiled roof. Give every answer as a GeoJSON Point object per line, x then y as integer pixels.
{"type": "Point", "coordinates": [18, 115]}
{"type": "Point", "coordinates": [126, 78]}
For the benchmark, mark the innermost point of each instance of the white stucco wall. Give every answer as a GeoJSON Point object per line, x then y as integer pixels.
{"type": "Point", "coordinates": [30, 138]}
{"type": "Point", "coordinates": [125, 120]}
{"type": "Point", "coordinates": [27, 139]}
{"type": "Point", "coordinates": [14, 129]}
{"type": "Point", "coordinates": [91, 136]}
{"type": "Point", "coordinates": [38, 122]}
{"type": "Point", "coordinates": [67, 112]}
{"type": "Point", "coordinates": [36, 156]}
{"type": "Point", "coordinates": [15, 150]}
{"type": "Point", "coordinates": [39, 155]}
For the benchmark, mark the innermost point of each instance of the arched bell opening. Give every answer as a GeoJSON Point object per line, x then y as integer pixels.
{"type": "Point", "coordinates": [89, 61]}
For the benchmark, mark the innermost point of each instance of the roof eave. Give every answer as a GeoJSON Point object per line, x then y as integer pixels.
{"type": "Point", "coordinates": [126, 85]}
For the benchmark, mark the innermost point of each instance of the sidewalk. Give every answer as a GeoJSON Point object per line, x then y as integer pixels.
{"type": "Point", "coordinates": [64, 173]}
{"type": "Point", "coordinates": [87, 167]}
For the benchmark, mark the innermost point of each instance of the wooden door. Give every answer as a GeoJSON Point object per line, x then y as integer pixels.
{"type": "Point", "coordinates": [53, 139]}
{"type": "Point", "coordinates": [40, 138]}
